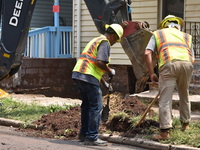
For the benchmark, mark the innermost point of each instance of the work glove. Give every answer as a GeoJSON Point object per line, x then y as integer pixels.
{"type": "Point", "coordinates": [111, 73]}
{"type": "Point", "coordinates": [106, 84]}
{"type": "Point", "coordinates": [109, 87]}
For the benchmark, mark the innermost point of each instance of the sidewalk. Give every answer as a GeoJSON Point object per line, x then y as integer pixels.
{"type": "Point", "coordinates": [43, 100]}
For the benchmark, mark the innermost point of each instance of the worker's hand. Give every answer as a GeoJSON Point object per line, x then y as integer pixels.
{"type": "Point", "coordinates": [111, 73]}
{"type": "Point", "coordinates": [110, 88]}
{"type": "Point", "coordinates": [154, 78]}
{"type": "Point", "coordinates": [105, 84]}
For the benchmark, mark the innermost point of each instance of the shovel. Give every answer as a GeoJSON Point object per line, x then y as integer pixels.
{"type": "Point", "coordinates": [148, 108]}
{"type": "Point", "coordinates": [106, 109]}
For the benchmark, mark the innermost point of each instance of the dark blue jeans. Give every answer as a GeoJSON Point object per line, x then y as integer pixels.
{"type": "Point", "coordinates": [91, 107]}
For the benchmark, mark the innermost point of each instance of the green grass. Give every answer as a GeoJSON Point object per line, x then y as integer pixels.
{"type": "Point", "coordinates": [189, 137]}
{"type": "Point", "coordinates": [27, 113]}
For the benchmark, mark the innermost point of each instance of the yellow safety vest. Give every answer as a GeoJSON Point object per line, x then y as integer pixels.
{"type": "Point", "coordinates": [173, 44]}
{"type": "Point", "coordinates": [86, 63]}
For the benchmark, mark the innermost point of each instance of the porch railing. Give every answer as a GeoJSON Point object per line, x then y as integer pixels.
{"type": "Point", "coordinates": [49, 42]}
{"type": "Point", "coordinates": [193, 28]}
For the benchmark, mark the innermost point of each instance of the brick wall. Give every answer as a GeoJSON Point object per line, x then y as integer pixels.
{"type": "Point", "coordinates": [52, 77]}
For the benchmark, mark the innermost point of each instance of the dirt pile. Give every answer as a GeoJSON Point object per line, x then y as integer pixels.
{"type": "Point", "coordinates": [66, 124]}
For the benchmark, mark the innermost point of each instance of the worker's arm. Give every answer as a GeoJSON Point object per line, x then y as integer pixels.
{"type": "Point", "coordinates": [103, 58]}
{"type": "Point", "coordinates": [150, 66]}
{"type": "Point", "coordinates": [105, 67]}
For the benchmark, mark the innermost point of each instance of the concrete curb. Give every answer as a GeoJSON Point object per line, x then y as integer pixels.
{"type": "Point", "coordinates": [144, 143]}
{"type": "Point", "coordinates": [16, 123]}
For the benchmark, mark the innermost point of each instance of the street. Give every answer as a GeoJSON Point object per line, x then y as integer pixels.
{"type": "Point", "coordinates": [13, 140]}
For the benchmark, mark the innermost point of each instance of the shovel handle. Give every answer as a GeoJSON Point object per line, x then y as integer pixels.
{"type": "Point", "coordinates": [109, 90]}
{"type": "Point", "coordinates": [147, 110]}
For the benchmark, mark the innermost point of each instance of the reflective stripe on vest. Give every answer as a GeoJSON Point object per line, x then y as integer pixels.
{"type": "Point", "coordinates": [86, 62]}
{"type": "Point", "coordinates": [169, 50]}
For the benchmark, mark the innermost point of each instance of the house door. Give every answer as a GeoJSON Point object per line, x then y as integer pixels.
{"type": "Point", "coordinates": [173, 7]}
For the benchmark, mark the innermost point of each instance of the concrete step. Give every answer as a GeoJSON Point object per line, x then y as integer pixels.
{"type": "Point", "coordinates": [175, 113]}
{"type": "Point", "coordinates": [194, 88]}
{"type": "Point", "coordinates": [148, 96]}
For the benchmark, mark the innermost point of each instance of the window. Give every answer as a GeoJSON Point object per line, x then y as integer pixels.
{"type": "Point", "coordinates": [173, 7]}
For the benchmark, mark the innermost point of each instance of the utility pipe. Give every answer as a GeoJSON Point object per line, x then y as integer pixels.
{"type": "Point", "coordinates": [56, 11]}
{"type": "Point", "coordinates": [78, 44]}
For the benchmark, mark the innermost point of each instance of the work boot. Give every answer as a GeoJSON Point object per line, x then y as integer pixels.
{"type": "Point", "coordinates": [162, 136]}
{"type": "Point", "coordinates": [81, 137]}
{"type": "Point", "coordinates": [97, 142]}
{"type": "Point", "coordinates": [185, 126]}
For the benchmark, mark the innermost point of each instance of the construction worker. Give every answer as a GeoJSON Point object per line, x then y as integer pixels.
{"type": "Point", "coordinates": [87, 73]}
{"type": "Point", "coordinates": [175, 55]}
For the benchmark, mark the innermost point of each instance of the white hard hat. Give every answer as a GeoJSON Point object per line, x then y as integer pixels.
{"type": "Point", "coordinates": [117, 28]}
{"type": "Point", "coordinates": [170, 18]}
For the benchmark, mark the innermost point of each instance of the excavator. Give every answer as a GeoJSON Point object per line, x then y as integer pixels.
{"type": "Point", "coordinates": [15, 22]}
{"type": "Point", "coordinates": [136, 34]}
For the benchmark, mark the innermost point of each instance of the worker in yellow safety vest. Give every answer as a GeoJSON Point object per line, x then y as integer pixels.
{"type": "Point", "coordinates": [175, 55]}
{"type": "Point", "coordinates": [87, 73]}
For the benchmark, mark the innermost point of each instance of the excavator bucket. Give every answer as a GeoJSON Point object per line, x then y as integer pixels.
{"type": "Point", "coordinates": [135, 39]}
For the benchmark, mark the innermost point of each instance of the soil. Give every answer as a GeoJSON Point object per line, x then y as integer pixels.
{"type": "Point", "coordinates": [66, 124]}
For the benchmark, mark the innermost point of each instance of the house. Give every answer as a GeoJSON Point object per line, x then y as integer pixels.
{"type": "Point", "coordinates": [152, 11]}
{"type": "Point", "coordinates": [51, 73]}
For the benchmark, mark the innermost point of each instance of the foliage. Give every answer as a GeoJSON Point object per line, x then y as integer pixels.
{"type": "Point", "coordinates": [26, 112]}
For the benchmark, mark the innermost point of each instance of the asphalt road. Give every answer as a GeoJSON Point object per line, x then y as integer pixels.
{"type": "Point", "coordinates": [13, 140]}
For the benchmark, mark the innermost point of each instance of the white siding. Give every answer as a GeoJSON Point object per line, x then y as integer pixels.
{"type": "Point", "coordinates": [192, 10]}
{"type": "Point", "coordinates": [145, 10]}
{"type": "Point", "coordinates": [88, 29]}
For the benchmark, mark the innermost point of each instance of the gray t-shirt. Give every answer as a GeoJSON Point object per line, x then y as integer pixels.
{"type": "Point", "coordinates": [103, 55]}
{"type": "Point", "coordinates": [152, 44]}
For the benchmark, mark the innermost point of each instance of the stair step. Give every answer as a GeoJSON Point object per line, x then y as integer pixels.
{"type": "Point", "coordinates": [147, 97]}
{"type": "Point", "coordinates": [194, 89]}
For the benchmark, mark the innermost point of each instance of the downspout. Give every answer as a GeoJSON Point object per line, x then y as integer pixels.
{"type": "Point", "coordinates": [56, 11]}
{"type": "Point", "coordinates": [78, 44]}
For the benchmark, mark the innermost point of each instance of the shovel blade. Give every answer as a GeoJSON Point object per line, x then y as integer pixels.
{"type": "Point", "coordinates": [105, 113]}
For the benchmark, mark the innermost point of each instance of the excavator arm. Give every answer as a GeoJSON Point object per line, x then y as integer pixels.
{"type": "Point", "coordinates": [104, 12]}
{"type": "Point", "coordinates": [15, 19]}
{"type": "Point", "coordinates": [136, 34]}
